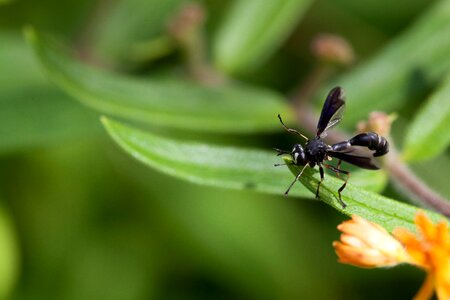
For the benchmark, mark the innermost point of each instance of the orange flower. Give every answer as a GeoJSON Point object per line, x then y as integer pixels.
{"type": "Point", "coordinates": [431, 252]}
{"type": "Point", "coordinates": [366, 244]}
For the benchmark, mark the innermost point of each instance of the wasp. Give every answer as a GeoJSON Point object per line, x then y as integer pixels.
{"type": "Point", "coordinates": [317, 152]}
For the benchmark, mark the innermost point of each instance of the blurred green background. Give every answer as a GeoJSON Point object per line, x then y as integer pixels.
{"type": "Point", "coordinates": [81, 219]}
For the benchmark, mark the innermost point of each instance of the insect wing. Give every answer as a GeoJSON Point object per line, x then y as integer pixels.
{"type": "Point", "coordinates": [332, 111]}
{"type": "Point", "coordinates": [357, 158]}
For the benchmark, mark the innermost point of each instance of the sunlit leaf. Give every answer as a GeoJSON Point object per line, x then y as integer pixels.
{"type": "Point", "coordinates": [227, 167]}
{"type": "Point", "coordinates": [409, 65]}
{"type": "Point", "coordinates": [9, 258]}
{"type": "Point", "coordinates": [429, 134]}
{"type": "Point", "coordinates": [387, 212]}
{"type": "Point", "coordinates": [369, 180]}
{"type": "Point", "coordinates": [252, 30]}
{"type": "Point", "coordinates": [169, 103]}
{"type": "Point", "coordinates": [205, 164]}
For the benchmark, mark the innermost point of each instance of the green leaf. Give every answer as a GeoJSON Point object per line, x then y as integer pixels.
{"type": "Point", "coordinates": [252, 30]}
{"type": "Point", "coordinates": [407, 66]}
{"type": "Point", "coordinates": [130, 23]}
{"type": "Point", "coordinates": [374, 207]}
{"type": "Point", "coordinates": [13, 75]}
{"type": "Point", "coordinates": [205, 164]}
{"type": "Point", "coordinates": [169, 103]}
{"type": "Point", "coordinates": [32, 113]}
{"type": "Point", "coordinates": [373, 12]}
{"type": "Point", "coordinates": [429, 134]}
{"type": "Point", "coordinates": [226, 167]}
{"type": "Point", "coordinates": [370, 180]}
{"type": "Point", "coordinates": [9, 258]}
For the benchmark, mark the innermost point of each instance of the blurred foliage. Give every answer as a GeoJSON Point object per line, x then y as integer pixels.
{"type": "Point", "coordinates": [10, 255]}
{"type": "Point", "coordinates": [114, 39]}
{"type": "Point", "coordinates": [429, 135]}
{"type": "Point", "coordinates": [33, 112]}
{"type": "Point", "coordinates": [262, 26]}
{"type": "Point", "coordinates": [171, 103]}
{"type": "Point", "coordinates": [81, 219]}
{"type": "Point", "coordinates": [401, 72]}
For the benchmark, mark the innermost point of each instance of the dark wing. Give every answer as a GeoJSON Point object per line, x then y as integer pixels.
{"type": "Point", "coordinates": [357, 157]}
{"type": "Point", "coordinates": [332, 111]}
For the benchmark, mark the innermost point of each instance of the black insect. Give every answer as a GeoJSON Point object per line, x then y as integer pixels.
{"type": "Point", "coordinates": [316, 151]}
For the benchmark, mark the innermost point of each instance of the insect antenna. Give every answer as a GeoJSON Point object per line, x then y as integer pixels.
{"type": "Point", "coordinates": [291, 130]}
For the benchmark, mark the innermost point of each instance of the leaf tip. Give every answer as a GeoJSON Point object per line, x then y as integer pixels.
{"type": "Point", "coordinates": [104, 120]}
{"type": "Point", "coordinates": [107, 123]}
{"type": "Point", "coordinates": [111, 128]}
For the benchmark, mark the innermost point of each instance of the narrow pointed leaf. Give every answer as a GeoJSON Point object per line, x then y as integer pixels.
{"type": "Point", "coordinates": [429, 134]}
{"type": "Point", "coordinates": [18, 67]}
{"type": "Point", "coordinates": [387, 212]}
{"type": "Point", "coordinates": [205, 164]}
{"type": "Point", "coordinates": [410, 64]}
{"type": "Point", "coordinates": [252, 30]}
{"type": "Point", "coordinates": [169, 103]}
{"type": "Point", "coordinates": [227, 167]}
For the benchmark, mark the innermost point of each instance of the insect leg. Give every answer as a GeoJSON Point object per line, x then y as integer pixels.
{"type": "Point", "coordinates": [291, 130]}
{"type": "Point", "coordinates": [338, 166]}
{"type": "Point", "coordinates": [296, 178]}
{"type": "Point", "coordinates": [337, 170]}
{"type": "Point", "coordinates": [321, 179]}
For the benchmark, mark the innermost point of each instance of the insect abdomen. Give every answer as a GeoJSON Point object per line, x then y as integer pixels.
{"type": "Point", "coordinates": [372, 141]}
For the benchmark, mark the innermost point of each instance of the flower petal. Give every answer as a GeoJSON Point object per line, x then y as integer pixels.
{"type": "Point", "coordinates": [425, 226]}
{"type": "Point", "coordinates": [367, 258]}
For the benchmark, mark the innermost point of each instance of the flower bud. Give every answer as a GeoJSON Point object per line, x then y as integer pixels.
{"type": "Point", "coordinates": [332, 49]}
{"type": "Point", "coordinates": [378, 122]}
{"type": "Point", "coordinates": [366, 244]}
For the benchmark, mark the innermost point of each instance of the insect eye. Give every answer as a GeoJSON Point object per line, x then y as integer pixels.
{"type": "Point", "coordinates": [297, 149]}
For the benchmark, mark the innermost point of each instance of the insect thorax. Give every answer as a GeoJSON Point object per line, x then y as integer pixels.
{"type": "Point", "coordinates": [316, 150]}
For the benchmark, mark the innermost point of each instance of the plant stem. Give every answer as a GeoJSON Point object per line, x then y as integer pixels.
{"type": "Point", "coordinates": [84, 40]}
{"type": "Point", "coordinates": [186, 29]}
{"type": "Point", "coordinates": [412, 185]}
